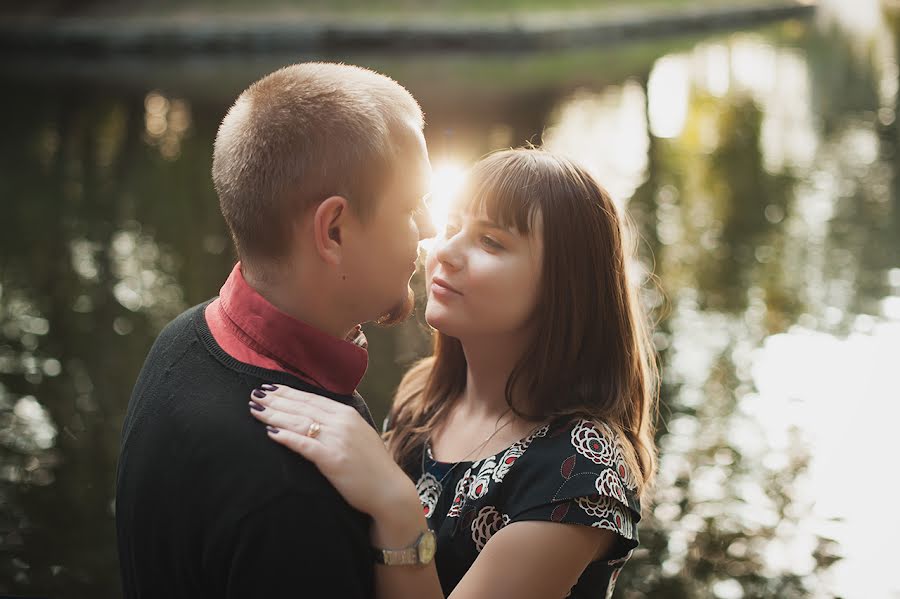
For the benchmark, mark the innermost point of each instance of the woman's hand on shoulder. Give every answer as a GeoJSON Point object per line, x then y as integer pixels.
{"type": "Point", "coordinates": [347, 450]}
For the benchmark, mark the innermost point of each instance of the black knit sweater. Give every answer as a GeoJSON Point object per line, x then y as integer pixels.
{"type": "Point", "coordinates": [207, 505]}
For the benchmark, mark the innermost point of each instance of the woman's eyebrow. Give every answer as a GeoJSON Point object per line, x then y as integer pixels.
{"type": "Point", "coordinates": [484, 223]}
{"type": "Point", "coordinates": [489, 224]}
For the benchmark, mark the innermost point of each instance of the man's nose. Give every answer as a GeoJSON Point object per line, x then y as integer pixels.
{"type": "Point", "coordinates": [425, 224]}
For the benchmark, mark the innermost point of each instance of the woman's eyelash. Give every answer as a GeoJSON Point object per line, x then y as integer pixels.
{"type": "Point", "coordinates": [490, 241]}
{"type": "Point", "coordinates": [451, 230]}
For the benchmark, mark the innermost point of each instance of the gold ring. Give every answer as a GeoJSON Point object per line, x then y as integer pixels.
{"type": "Point", "coordinates": [314, 429]}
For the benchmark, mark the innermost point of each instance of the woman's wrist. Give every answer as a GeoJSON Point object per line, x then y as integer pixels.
{"type": "Point", "coordinates": [400, 520]}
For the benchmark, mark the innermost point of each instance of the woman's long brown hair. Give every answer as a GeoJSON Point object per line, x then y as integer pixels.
{"type": "Point", "coordinates": [591, 356]}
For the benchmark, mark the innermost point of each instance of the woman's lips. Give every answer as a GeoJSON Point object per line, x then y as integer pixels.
{"type": "Point", "coordinates": [442, 288]}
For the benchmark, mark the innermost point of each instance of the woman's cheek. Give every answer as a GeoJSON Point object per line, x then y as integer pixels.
{"type": "Point", "coordinates": [512, 296]}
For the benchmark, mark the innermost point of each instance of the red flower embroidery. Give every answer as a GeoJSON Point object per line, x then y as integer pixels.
{"type": "Point", "coordinates": [567, 466]}
{"type": "Point", "coordinates": [559, 512]}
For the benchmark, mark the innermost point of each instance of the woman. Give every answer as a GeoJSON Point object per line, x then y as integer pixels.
{"type": "Point", "coordinates": [526, 441]}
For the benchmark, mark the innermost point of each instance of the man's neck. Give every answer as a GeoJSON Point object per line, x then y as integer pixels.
{"type": "Point", "coordinates": [288, 294]}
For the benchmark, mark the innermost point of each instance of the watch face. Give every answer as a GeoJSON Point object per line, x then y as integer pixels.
{"type": "Point", "coordinates": [427, 547]}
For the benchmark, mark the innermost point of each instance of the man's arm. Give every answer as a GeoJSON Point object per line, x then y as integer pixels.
{"type": "Point", "coordinates": [300, 546]}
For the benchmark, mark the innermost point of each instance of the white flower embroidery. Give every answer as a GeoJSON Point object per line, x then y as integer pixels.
{"type": "Point", "coordinates": [610, 515]}
{"type": "Point", "coordinates": [625, 472]}
{"type": "Point", "coordinates": [589, 442]}
{"type": "Point", "coordinates": [510, 456]}
{"type": "Point", "coordinates": [541, 432]}
{"type": "Point", "coordinates": [429, 489]}
{"type": "Point", "coordinates": [459, 495]}
{"type": "Point", "coordinates": [595, 506]}
{"type": "Point", "coordinates": [609, 483]}
{"type": "Point", "coordinates": [486, 524]}
{"type": "Point", "coordinates": [601, 445]}
{"type": "Point", "coordinates": [479, 486]}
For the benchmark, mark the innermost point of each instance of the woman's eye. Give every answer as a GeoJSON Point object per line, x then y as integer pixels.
{"type": "Point", "coordinates": [491, 242]}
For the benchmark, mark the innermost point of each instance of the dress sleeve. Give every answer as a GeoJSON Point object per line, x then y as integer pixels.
{"type": "Point", "coordinates": [577, 475]}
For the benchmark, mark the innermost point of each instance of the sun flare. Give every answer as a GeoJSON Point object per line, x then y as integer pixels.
{"type": "Point", "coordinates": [447, 179]}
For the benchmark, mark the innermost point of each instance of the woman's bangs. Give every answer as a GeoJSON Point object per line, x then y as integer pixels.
{"type": "Point", "coordinates": [504, 193]}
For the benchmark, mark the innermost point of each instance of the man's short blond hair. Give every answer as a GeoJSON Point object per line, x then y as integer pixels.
{"type": "Point", "coordinates": [301, 134]}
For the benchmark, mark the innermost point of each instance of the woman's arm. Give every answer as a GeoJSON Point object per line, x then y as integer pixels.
{"type": "Point", "coordinates": [396, 528]}
{"type": "Point", "coordinates": [524, 560]}
{"type": "Point", "coordinates": [533, 560]}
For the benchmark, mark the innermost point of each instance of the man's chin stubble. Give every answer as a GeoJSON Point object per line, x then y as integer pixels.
{"type": "Point", "coordinates": [401, 311]}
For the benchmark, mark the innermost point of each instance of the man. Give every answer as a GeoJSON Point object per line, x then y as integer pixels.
{"type": "Point", "coordinates": [321, 170]}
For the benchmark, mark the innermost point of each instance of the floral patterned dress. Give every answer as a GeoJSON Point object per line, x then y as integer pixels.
{"type": "Point", "coordinates": [567, 471]}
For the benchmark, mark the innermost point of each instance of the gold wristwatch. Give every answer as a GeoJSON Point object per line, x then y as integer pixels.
{"type": "Point", "coordinates": [419, 553]}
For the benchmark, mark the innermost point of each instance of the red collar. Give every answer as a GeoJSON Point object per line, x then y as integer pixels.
{"type": "Point", "coordinates": [334, 364]}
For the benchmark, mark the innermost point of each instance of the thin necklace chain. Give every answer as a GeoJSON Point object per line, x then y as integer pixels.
{"type": "Point", "coordinates": [427, 447]}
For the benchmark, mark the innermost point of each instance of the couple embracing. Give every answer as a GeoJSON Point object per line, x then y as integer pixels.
{"type": "Point", "coordinates": [513, 460]}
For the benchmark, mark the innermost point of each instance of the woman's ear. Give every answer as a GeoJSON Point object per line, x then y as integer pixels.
{"type": "Point", "coordinates": [328, 222]}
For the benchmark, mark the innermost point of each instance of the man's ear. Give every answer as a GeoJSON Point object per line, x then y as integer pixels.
{"type": "Point", "coordinates": [329, 221]}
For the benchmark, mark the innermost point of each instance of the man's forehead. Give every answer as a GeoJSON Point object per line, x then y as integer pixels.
{"type": "Point", "coordinates": [415, 178]}
{"type": "Point", "coordinates": [410, 184]}
{"type": "Point", "coordinates": [419, 167]}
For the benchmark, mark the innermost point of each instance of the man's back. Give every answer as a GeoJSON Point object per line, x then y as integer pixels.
{"type": "Point", "coordinates": [207, 505]}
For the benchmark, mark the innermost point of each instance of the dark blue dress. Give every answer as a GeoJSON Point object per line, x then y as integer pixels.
{"type": "Point", "coordinates": [568, 471]}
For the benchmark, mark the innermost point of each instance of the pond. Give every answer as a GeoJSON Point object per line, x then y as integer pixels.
{"type": "Point", "coordinates": [760, 168]}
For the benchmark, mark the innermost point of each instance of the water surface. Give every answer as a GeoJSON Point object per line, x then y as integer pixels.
{"type": "Point", "coordinates": [760, 168]}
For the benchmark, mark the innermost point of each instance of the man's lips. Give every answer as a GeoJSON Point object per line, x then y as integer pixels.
{"type": "Point", "coordinates": [441, 283]}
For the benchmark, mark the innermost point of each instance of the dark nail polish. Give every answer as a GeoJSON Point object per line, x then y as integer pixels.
{"type": "Point", "coordinates": [256, 406]}
{"type": "Point", "coordinates": [259, 393]}
{"type": "Point", "coordinates": [268, 387]}
{"type": "Point", "coordinates": [271, 429]}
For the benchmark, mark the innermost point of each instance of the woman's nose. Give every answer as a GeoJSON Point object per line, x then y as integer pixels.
{"type": "Point", "coordinates": [447, 252]}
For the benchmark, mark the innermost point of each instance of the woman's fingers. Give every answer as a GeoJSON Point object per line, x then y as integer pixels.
{"type": "Point", "coordinates": [291, 395]}
{"type": "Point", "coordinates": [288, 399]}
{"type": "Point", "coordinates": [281, 403]}
{"type": "Point", "coordinates": [294, 410]}
{"type": "Point", "coordinates": [297, 423]}
{"type": "Point", "coordinates": [311, 449]}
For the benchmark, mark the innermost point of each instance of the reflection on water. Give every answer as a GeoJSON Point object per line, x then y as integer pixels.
{"type": "Point", "coordinates": [847, 382]}
{"type": "Point", "coordinates": [760, 170]}
{"type": "Point", "coordinates": [606, 131]}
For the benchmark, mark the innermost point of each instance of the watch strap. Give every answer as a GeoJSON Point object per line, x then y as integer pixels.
{"type": "Point", "coordinates": [420, 552]}
{"type": "Point", "coordinates": [397, 557]}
